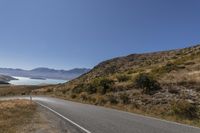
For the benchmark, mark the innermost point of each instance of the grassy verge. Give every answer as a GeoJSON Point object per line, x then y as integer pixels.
{"type": "Point", "coordinates": [15, 114]}
{"type": "Point", "coordinates": [181, 112]}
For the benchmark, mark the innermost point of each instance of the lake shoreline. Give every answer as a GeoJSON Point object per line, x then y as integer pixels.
{"type": "Point", "coordinates": [34, 81]}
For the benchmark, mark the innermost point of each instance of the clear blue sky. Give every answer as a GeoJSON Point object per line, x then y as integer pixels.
{"type": "Point", "coordinates": [65, 34]}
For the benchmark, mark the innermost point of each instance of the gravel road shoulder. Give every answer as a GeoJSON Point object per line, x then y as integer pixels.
{"type": "Point", "coordinates": [45, 121]}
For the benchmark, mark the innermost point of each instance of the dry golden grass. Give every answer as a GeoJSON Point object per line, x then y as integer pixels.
{"type": "Point", "coordinates": [181, 76]}
{"type": "Point", "coordinates": [15, 114]}
{"type": "Point", "coordinates": [11, 90]}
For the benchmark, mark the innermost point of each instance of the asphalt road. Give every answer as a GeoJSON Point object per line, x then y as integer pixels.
{"type": "Point", "coordinates": [94, 119]}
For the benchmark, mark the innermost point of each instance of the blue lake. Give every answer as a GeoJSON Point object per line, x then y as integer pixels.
{"type": "Point", "coordinates": [29, 81]}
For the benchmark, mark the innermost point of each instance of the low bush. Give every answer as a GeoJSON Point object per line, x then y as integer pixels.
{"type": "Point", "coordinates": [101, 101]}
{"type": "Point", "coordinates": [83, 97]}
{"type": "Point", "coordinates": [147, 83]}
{"type": "Point", "coordinates": [105, 85]}
{"type": "Point", "coordinates": [173, 90]}
{"type": "Point", "coordinates": [64, 91]}
{"type": "Point", "coordinates": [73, 96]}
{"type": "Point", "coordinates": [184, 109]}
{"type": "Point", "coordinates": [164, 69]}
{"type": "Point", "coordinates": [100, 85]}
{"type": "Point", "coordinates": [90, 89]}
{"type": "Point", "coordinates": [123, 78]}
{"type": "Point", "coordinates": [91, 99]}
{"type": "Point", "coordinates": [78, 89]}
{"type": "Point", "coordinates": [170, 67]}
{"type": "Point", "coordinates": [49, 90]}
{"type": "Point", "coordinates": [124, 98]}
{"type": "Point", "coordinates": [112, 99]}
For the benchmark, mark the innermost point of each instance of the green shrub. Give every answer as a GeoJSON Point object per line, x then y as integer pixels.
{"type": "Point", "coordinates": [49, 90]}
{"type": "Point", "coordinates": [184, 109]}
{"type": "Point", "coordinates": [83, 97]}
{"type": "Point", "coordinates": [101, 101]}
{"type": "Point", "coordinates": [102, 90]}
{"type": "Point", "coordinates": [111, 69]}
{"type": "Point", "coordinates": [102, 85]}
{"type": "Point", "coordinates": [124, 98]}
{"type": "Point", "coordinates": [64, 91]}
{"type": "Point", "coordinates": [170, 67]}
{"type": "Point", "coordinates": [91, 99]}
{"type": "Point", "coordinates": [164, 69]}
{"type": "Point", "coordinates": [112, 99]}
{"type": "Point", "coordinates": [77, 90]}
{"type": "Point", "coordinates": [73, 96]}
{"type": "Point", "coordinates": [106, 83]}
{"type": "Point", "coordinates": [147, 83]}
{"type": "Point", "coordinates": [173, 90]}
{"type": "Point", "coordinates": [123, 78]}
{"type": "Point", "coordinates": [23, 93]}
{"type": "Point", "coordinates": [90, 89]}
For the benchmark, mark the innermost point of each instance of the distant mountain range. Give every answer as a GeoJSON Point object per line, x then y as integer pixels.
{"type": "Point", "coordinates": [43, 72]}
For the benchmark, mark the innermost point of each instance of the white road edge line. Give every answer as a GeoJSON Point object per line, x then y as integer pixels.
{"type": "Point", "coordinates": [85, 130]}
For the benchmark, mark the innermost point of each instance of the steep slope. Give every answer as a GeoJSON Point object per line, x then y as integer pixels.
{"type": "Point", "coordinates": [158, 64]}
{"type": "Point", "coordinates": [149, 83]}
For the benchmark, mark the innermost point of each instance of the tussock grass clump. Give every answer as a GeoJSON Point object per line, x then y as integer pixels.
{"type": "Point", "coordinates": [173, 90]}
{"type": "Point", "coordinates": [83, 96]}
{"type": "Point", "coordinates": [78, 89]}
{"type": "Point", "coordinates": [124, 98]}
{"type": "Point", "coordinates": [100, 100]}
{"type": "Point", "coordinates": [158, 71]}
{"type": "Point", "coordinates": [112, 99]}
{"type": "Point", "coordinates": [14, 114]}
{"type": "Point", "coordinates": [73, 96]}
{"type": "Point", "coordinates": [185, 110]}
{"type": "Point", "coordinates": [123, 77]}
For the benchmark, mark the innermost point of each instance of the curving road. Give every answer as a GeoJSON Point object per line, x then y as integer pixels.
{"type": "Point", "coordinates": [94, 119]}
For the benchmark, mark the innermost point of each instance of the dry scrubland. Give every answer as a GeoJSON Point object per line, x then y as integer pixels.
{"type": "Point", "coordinates": [15, 114]}
{"type": "Point", "coordinates": [161, 84]}
{"type": "Point", "coordinates": [23, 116]}
{"type": "Point", "coordinates": [11, 90]}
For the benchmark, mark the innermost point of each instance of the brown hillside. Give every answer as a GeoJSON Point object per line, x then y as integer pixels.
{"type": "Point", "coordinates": [150, 83]}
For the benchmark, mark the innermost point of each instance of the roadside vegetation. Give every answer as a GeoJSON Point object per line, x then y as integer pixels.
{"type": "Point", "coordinates": [162, 84]}
{"type": "Point", "coordinates": [24, 116]}
{"type": "Point", "coordinates": [11, 90]}
{"type": "Point", "coordinates": [15, 114]}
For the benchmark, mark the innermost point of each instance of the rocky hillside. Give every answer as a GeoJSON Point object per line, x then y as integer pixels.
{"type": "Point", "coordinates": [150, 82]}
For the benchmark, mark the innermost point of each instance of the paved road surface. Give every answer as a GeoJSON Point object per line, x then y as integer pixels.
{"type": "Point", "coordinates": [94, 119]}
